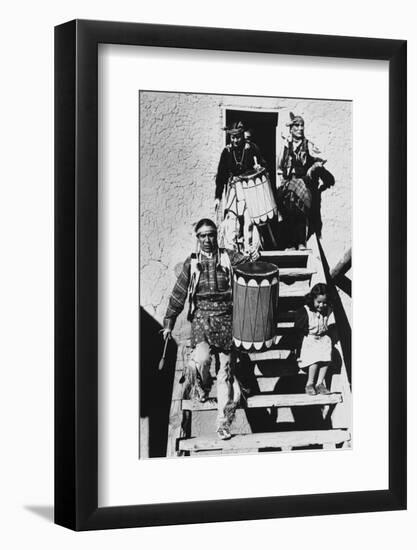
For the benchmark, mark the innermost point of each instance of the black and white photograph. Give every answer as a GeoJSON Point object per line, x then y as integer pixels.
{"type": "Point", "coordinates": [208, 294]}
{"type": "Point", "coordinates": [245, 283]}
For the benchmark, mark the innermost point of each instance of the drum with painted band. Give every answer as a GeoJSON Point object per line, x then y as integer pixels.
{"type": "Point", "coordinates": [255, 303]}
{"type": "Point", "coordinates": [259, 198]}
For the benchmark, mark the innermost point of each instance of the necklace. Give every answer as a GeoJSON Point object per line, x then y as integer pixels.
{"type": "Point", "coordinates": [239, 164]}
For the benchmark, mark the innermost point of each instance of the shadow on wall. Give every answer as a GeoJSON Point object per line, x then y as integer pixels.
{"type": "Point", "coordinates": [155, 385]}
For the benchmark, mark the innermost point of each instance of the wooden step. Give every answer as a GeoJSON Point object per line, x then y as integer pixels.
{"type": "Point", "coordinates": [270, 355]}
{"type": "Point", "coordinates": [286, 315]}
{"type": "Point", "coordinates": [270, 400]}
{"type": "Point", "coordinates": [271, 440]}
{"type": "Point", "coordinates": [280, 367]}
{"type": "Point", "coordinates": [287, 341]}
{"type": "Point", "coordinates": [286, 258]}
{"type": "Point", "coordinates": [295, 272]}
{"type": "Point", "coordinates": [273, 253]}
{"type": "Point", "coordinates": [285, 325]}
{"type": "Point", "coordinates": [296, 290]}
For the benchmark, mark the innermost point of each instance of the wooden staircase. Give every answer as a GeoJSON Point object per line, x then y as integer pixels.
{"type": "Point", "coordinates": [277, 387]}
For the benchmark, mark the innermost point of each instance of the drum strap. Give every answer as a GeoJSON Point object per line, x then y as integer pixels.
{"type": "Point", "coordinates": [194, 278]}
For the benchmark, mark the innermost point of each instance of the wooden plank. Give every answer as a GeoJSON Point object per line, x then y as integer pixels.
{"type": "Point", "coordinates": [270, 355]}
{"type": "Point", "coordinates": [266, 369]}
{"type": "Point", "coordinates": [177, 415]}
{"type": "Point", "coordinates": [343, 265]}
{"type": "Point", "coordinates": [273, 253]}
{"type": "Point", "coordinates": [178, 386]}
{"type": "Point", "coordinates": [314, 262]}
{"type": "Point", "coordinates": [285, 325]}
{"type": "Point", "coordinates": [271, 400]}
{"type": "Point", "coordinates": [342, 414]}
{"type": "Point", "coordinates": [293, 291]}
{"type": "Point", "coordinates": [267, 384]}
{"type": "Point", "coordinates": [273, 440]}
{"type": "Point", "coordinates": [175, 428]}
{"type": "Point", "coordinates": [295, 272]}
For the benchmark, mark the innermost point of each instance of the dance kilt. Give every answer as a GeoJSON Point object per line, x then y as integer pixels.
{"type": "Point", "coordinates": [212, 323]}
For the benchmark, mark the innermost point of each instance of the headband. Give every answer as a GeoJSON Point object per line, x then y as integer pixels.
{"type": "Point", "coordinates": [203, 227]}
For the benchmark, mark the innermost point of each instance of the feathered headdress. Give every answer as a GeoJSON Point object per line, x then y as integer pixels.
{"type": "Point", "coordinates": [294, 119]}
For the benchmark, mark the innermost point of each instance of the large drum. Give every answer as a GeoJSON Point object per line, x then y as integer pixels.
{"type": "Point", "coordinates": [255, 302]}
{"type": "Point", "coordinates": [259, 198]}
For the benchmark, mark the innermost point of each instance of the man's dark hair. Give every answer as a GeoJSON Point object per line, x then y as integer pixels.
{"type": "Point", "coordinates": [205, 221]}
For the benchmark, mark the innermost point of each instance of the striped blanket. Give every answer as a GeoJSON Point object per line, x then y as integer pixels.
{"type": "Point", "coordinates": [294, 195]}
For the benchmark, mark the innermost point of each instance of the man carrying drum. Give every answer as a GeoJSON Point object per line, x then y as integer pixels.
{"type": "Point", "coordinates": [301, 180]}
{"type": "Point", "coordinates": [205, 283]}
{"type": "Point", "coordinates": [240, 156]}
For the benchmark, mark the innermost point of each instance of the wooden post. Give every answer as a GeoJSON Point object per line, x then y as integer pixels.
{"type": "Point", "coordinates": [178, 427]}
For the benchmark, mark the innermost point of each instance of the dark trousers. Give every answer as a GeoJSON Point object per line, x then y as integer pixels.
{"type": "Point", "coordinates": [296, 229]}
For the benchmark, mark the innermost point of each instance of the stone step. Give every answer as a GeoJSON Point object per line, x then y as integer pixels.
{"type": "Point", "coordinates": [269, 440]}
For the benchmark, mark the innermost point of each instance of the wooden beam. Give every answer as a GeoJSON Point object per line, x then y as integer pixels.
{"type": "Point", "coordinates": [273, 440]}
{"type": "Point", "coordinates": [177, 427]}
{"type": "Point", "coordinates": [274, 253]}
{"type": "Point", "coordinates": [270, 400]}
{"type": "Point", "coordinates": [270, 355]}
{"type": "Point", "coordinates": [314, 262]}
{"type": "Point", "coordinates": [295, 272]}
{"type": "Point", "coordinates": [272, 369]}
{"type": "Point", "coordinates": [285, 324]}
{"type": "Point", "coordinates": [341, 415]}
{"type": "Point", "coordinates": [343, 265]}
{"type": "Point", "coordinates": [293, 291]}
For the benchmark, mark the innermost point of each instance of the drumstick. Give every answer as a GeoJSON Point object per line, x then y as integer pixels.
{"type": "Point", "coordinates": [162, 361]}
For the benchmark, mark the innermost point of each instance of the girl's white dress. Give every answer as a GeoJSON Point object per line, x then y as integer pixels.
{"type": "Point", "coordinates": [317, 344]}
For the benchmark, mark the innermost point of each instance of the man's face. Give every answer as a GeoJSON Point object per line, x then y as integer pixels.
{"type": "Point", "coordinates": [236, 140]}
{"type": "Point", "coordinates": [207, 238]}
{"type": "Point", "coordinates": [297, 130]}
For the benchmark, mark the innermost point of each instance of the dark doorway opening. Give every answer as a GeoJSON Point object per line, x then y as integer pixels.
{"type": "Point", "coordinates": [263, 129]}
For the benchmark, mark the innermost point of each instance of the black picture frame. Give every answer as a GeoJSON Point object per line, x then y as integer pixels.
{"type": "Point", "coordinates": [76, 271]}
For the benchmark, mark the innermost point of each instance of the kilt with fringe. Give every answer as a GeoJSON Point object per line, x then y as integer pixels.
{"type": "Point", "coordinates": [212, 323]}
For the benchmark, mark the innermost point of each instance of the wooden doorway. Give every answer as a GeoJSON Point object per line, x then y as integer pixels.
{"type": "Point", "coordinates": [263, 125]}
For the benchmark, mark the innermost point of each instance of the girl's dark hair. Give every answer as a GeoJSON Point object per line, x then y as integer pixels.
{"type": "Point", "coordinates": [319, 288]}
{"type": "Point", "coordinates": [205, 221]}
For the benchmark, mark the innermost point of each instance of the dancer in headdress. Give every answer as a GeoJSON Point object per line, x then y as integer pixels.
{"type": "Point", "coordinates": [240, 156]}
{"type": "Point", "coordinates": [301, 180]}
